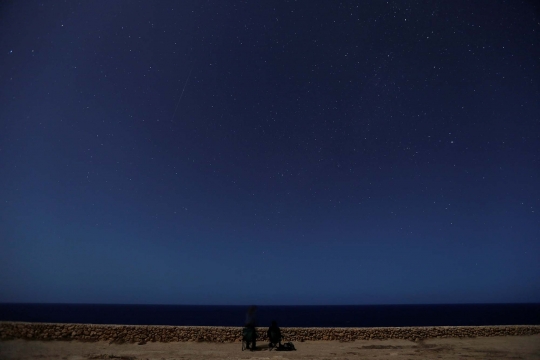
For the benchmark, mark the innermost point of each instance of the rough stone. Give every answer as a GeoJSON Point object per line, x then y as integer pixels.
{"type": "Point", "coordinates": [142, 334]}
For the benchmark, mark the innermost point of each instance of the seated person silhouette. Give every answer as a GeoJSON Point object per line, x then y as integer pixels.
{"type": "Point", "coordinates": [274, 335]}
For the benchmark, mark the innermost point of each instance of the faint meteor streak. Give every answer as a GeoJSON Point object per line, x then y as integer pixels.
{"type": "Point", "coordinates": [181, 94]}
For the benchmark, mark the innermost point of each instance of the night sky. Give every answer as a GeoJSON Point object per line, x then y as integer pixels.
{"type": "Point", "coordinates": [270, 152]}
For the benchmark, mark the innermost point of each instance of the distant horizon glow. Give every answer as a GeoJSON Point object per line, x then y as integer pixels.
{"type": "Point", "coordinates": [269, 305]}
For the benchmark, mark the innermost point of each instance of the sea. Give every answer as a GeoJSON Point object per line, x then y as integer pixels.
{"type": "Point", "coordinates": [286, 316]}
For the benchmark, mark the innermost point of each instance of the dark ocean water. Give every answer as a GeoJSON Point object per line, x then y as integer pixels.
{"type": "Point", "coordinates": [286, 316]}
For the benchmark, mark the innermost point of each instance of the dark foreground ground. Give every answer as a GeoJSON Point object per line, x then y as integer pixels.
{"type": "Point", "coordinates": [501, 347]}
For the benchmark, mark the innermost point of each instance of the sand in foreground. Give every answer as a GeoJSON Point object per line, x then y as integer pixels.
{"type": "Point", "coordinates": [503, 347]}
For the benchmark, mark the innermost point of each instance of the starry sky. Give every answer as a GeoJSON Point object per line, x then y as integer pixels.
{"type": "Point", "coordinates": [270, 152]}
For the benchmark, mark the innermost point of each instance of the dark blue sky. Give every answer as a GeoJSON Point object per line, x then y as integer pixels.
{"type": "Point", "coordinates": [284, 152]}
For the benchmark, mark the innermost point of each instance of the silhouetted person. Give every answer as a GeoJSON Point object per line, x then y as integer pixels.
{"type": "Point", "coordinates": [274, 335]}
{"type": "Point", "coordinates": [250, 331]}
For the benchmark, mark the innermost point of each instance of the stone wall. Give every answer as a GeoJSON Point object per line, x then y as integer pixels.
{"type": "Point", "coordinates": [146, 333]}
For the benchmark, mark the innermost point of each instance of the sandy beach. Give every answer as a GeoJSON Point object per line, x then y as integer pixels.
{"type": "Point", "coordinates": [502, 347]}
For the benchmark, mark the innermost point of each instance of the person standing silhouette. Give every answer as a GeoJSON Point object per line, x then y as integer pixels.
{"type": "Point", "coordinates": [250, 331]}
